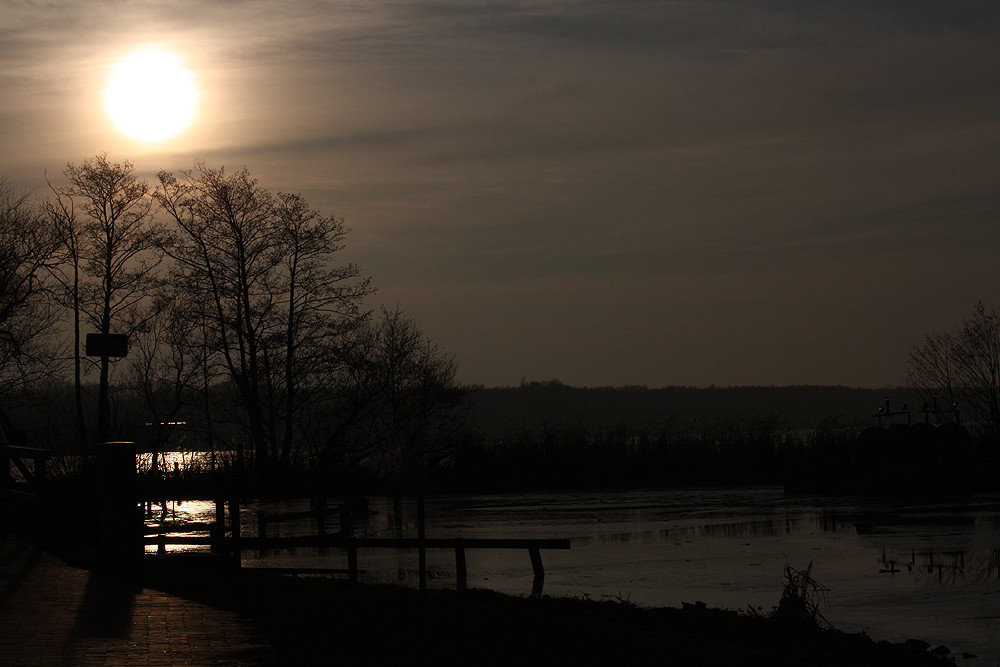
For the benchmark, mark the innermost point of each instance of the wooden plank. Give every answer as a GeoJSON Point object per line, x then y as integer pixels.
{"type": "Point", "coordinates": [166, 448]}
{"type": "Point", "coordinates": [193, 527]}
{"type": "Point", "coordinates": [27, 474]}
{"type": "Point", "coordinates": [371, 542]}
{"type": "Point", "coordinates": [305, 514]}
{"type": "Point", "coordinates": [352, 544]}
{"type": "Point", "coordinates": [335, 540]}
{"type": "Point", "coordinates": [29, 452]}
{"type": "Point", "coordinates": [302, 570]}
{"type": "Point", "coordinates": [20, 496]}
{"type": "Point", "coordinates": [193, 540]}
{"type": "Point", "coordinates": [14, 454]}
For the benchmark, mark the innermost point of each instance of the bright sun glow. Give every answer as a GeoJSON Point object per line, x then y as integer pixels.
{"type": "Point", "coordinates": [151, 96]}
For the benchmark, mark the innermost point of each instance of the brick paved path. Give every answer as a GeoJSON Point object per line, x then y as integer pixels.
{"type": "Point", "coordinates": [55, 614]}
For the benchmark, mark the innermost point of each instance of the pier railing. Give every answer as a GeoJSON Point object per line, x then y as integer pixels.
{"type": "Point", "coordinates": [30, 489]}
{"type": "Point", "coordinates": [23, 502]}
{"type": "Point", "coordinates": [231, 543]}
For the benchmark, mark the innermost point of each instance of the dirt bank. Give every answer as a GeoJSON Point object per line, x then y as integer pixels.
{"type": "Point", "coordinates": [322, 621]}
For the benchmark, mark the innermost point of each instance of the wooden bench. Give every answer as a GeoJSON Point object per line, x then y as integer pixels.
{"type": "Point", "coordinates": [352, 544]}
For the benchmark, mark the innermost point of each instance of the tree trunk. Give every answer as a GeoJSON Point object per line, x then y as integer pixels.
{"type": "Point", "coordinates": [81, 423]}
{"type": "Point", "coordinates": [103, 403]}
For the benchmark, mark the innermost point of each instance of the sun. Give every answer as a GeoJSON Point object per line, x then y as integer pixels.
{"type": "Point", "coordinates": [151, 96]}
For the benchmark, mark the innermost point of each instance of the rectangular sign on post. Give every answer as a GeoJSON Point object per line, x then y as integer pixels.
{"type": "Point", "coordinates": [107, 345]}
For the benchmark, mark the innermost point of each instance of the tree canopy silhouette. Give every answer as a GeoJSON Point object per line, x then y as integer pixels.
{"type": "Point", "coordinates": [259, 271]}
{"type": "Point", "coordinates": [963, 368]}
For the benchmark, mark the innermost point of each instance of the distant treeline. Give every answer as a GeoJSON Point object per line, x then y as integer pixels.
{"type": "Point", "coordinates": [538, 406]}
{"type": "Point", "coordinates": [550, 436]}
{"type": "Point", "coordinates": [743, 451]}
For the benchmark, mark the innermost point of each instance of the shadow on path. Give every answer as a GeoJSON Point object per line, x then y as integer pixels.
{"type": "Point", "coordinates": [12, 572]}
{"type": "Point", "coordinates": [107, 606]}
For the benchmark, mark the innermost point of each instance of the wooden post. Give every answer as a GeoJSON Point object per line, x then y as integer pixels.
{"type": "Point", "coordinates": [397, 511]}
{"type": "Point", "coordinates": [161, 545]}
{"type": "Point", "coordinates": [219, 530]}
{"type": "Point", "coordinates": [536, 566]}
{"type": "Point", "coordinates": [6, 480]}
{"type": "Point", "coordinates": [352, 562]}
{"type": "Point", "coordinates": [346, 519]}
{"type": "Point", "coordinates": [120, 531]}
{"type": "Point", "coordinates": [234, 523]}
{"type": "Point", "coordinates": [261, 530]}
{"type": "Point", "coordinates": [321, 514]}
{"type": "Point", "coordinates": [5, 477]}
{"type": "Point", "coordinates": [461, 573]}
{"type": "Point", "coordinates": [40, 459]}
{"type": "Point", "coordinates": [421, 546]}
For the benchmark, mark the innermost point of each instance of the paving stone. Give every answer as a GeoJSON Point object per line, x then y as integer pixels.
{"type": "Point", "coordinates": [55, 614]}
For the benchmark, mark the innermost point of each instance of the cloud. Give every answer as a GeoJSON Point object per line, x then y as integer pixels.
{"type": "Point", "coordinates": [683, 167]}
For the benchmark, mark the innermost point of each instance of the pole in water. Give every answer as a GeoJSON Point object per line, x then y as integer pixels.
{"type": "Point", "coordinates": [422, 549]}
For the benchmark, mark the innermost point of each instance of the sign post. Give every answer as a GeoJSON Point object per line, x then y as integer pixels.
{"type": "Point", "coordinates": [107, 345]}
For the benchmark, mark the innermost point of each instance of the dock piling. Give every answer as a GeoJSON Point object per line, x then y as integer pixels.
{"type": "Point", "coordinates": [461, 572]}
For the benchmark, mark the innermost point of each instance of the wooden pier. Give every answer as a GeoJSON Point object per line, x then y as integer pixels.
{"type": "Point", "coordinates": [233, 544]}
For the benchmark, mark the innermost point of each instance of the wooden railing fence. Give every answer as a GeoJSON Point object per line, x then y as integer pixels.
{"type": "Point", "coordinates": [122, 537]}
{"type": "Point", "coordinates": [225, 538]}
{"type": "Point", "coordinates": [31, 488]}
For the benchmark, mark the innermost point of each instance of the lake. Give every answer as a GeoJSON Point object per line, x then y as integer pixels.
{"type": "Point", "coordinates": [896, 568]}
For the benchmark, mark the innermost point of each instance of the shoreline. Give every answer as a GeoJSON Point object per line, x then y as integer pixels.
{"type": "Point", "coordinates": [322, 621]}
{"type": "Point", "coordinates": [281, 606]}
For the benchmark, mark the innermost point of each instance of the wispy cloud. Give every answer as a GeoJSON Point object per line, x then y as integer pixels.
{"type": "Point", "coordinates": [661, 163]}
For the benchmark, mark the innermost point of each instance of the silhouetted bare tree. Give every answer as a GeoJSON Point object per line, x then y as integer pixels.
{"type": "Point", "coordinates": [68, 274]}
{"type": "Point", "coordinates": [261, 267]}
{"type": "Point", "coordinates": [964, 366]}
{"type": "Point", "coordinates": [105, 218]}
{"type": "Point", "coordinates": [225, 255]}
{"type": "Point", "coordinates": [401, 398]}
{"type": "Point", "coordinates": [321, 305]}
{"type": "Point", "coordinates": [27, 315]}
{"type": "Point", "coordinates": [165, 367]}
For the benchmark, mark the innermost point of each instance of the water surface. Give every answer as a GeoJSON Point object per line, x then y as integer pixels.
{"type": "Point", "coordinates": [895, 568]}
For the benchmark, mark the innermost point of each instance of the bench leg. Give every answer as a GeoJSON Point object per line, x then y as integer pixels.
{"type": "Point", "coordinates": [460, 570]}
{"type": "Point", "coordinates": [536, 566]}
{"type": "Point", "coordinates": [352, 563]}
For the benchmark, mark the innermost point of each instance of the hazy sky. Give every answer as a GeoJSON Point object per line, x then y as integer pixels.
{"type": "Point", "coordinates": [604, 192]}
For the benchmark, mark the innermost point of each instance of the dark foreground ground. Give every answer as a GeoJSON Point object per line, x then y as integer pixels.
{"type": "Point", "coordinates": [197, 611]}
{"type": "Point", "coordinates": [319, 621]}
